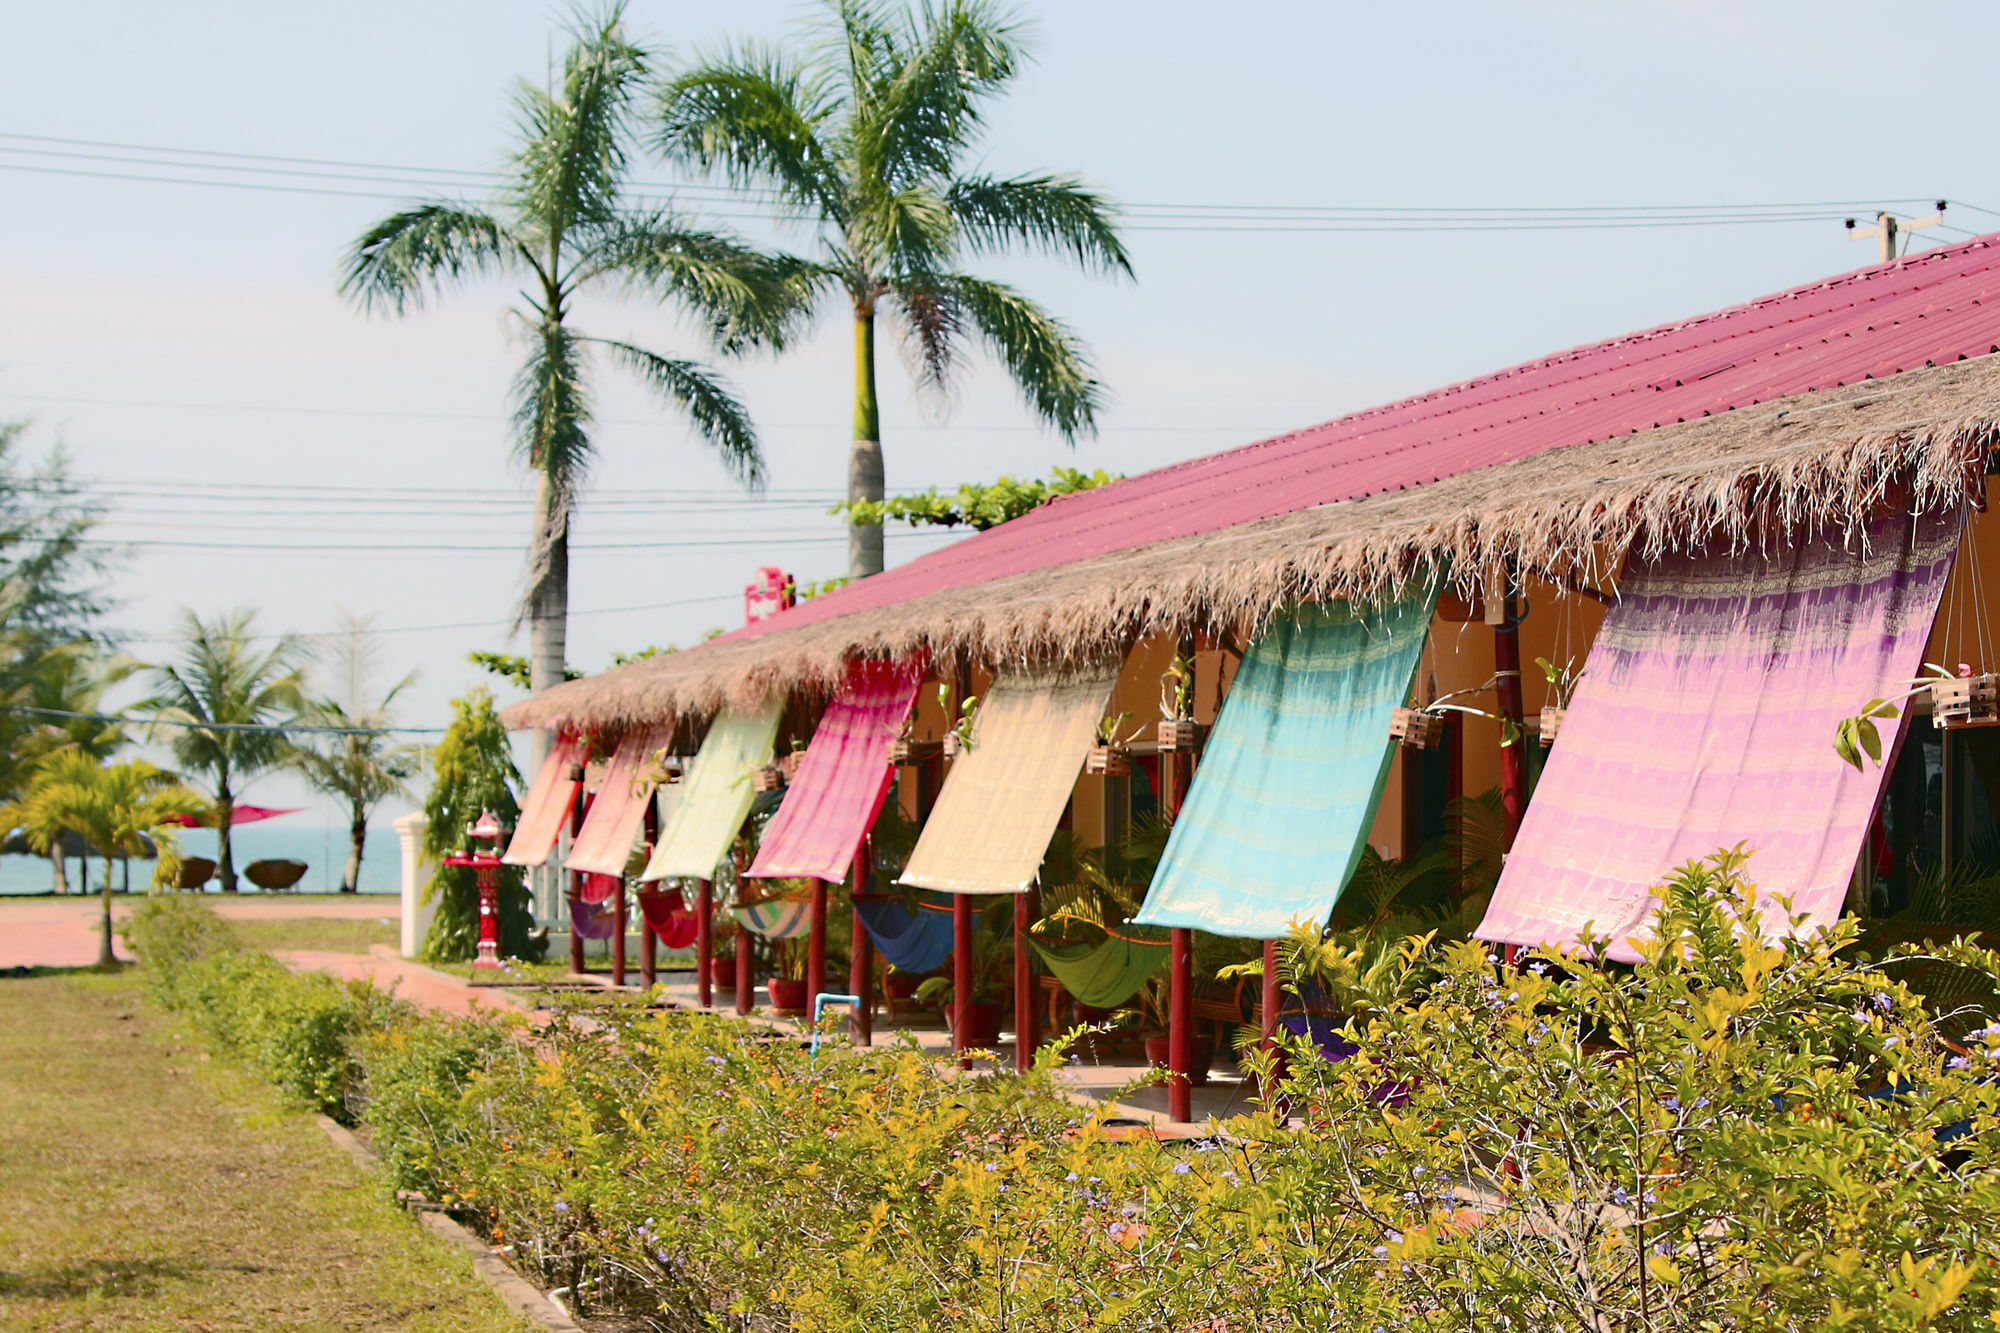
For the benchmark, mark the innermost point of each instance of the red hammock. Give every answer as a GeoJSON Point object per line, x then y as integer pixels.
{"type": "Point", "coordinates": [668, 917]}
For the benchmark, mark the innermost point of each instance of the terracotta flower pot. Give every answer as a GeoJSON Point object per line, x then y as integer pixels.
{"type": "Point", "coordinates": [1202, 1048]}
{"type": "Point", "coordinates": [722, 971]}
{"type": "Point", "coordinates": [901, 985]}
{"type": "Point", "coordinates": [788, 997]}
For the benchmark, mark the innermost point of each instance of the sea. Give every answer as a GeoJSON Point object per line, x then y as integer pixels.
{"type": "Point", "coordinates": [324, 850]}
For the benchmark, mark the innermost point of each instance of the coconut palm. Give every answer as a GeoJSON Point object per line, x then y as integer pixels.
{"type": "Point", "coordinates": [62, 690]}
{"type": "Point", "coordinates": [564, 225]}
{"type": "Point", "coordinates": [356, 762]}
{"type": "Point", "coordinates": [114, 809]}
{"type": "Point", "coordinates": [867, 137]}
{"type": "Point", "coordinates": [222, 711]}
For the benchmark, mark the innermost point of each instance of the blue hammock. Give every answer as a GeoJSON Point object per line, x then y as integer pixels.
{"type": "Point", "coordinates": [913, 940]}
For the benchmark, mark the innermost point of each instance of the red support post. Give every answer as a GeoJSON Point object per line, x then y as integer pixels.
{"type": "Point", "coordinates": [618, 933]}
{"type": "Point", "coordinates": [1024, 984]}
{"type": "Point", "coordinates": [1507, 693]}
{"type": "Point", "coordinates": [861, 958]}
{"type": "Point", "coordinates": [816, 945]}
{"type": "Point", "coordinates": [704, 943]}
{"type": "Point", "coordinates": [1180, 1026]}
{"type": "Point", "coordinates": [961, 973]}
{"type": "Point", "coordinates": [576, 810]}
{"type": "Point", "coordinates": [649, 950]}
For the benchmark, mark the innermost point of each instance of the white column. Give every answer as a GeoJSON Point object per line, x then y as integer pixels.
{"type": "Point", "coordinates": [417, 914]}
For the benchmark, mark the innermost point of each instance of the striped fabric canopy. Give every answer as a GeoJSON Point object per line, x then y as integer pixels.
{"type": "Point", "coordinates": [1280, 808]}
{"type": "Point", "coordinates": [715, 795]}
{"type": "Point", "coordinates": [1002, 800]}
{"type": "Point", "coordinates": [776, 919]}
{"type": "Point", "coordinates": [835, 795]}
{"type": "Point", "coordinates": [546, 808]}
{"type": "Point", "coordinates": [618, 811]}
{"type": "Point", "coordinates": [1705, 718]}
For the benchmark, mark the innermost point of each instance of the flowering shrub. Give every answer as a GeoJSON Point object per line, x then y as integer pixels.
{"type": "Point", "coordinates": [1729, 1135]}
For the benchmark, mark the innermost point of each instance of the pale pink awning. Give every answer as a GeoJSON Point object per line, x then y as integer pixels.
{"type": "Point", "coordinates": [611, 828]}
{"type": "Point", "coordinates": [838, 789]}
{"type": "Point", "coordinates": [546, 808]}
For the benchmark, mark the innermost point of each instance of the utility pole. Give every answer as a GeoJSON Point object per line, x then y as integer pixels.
{"type": "Point", "coordinates": [1888, 226]}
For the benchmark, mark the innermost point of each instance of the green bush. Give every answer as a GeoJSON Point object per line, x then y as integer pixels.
{"type": "Point", "coordinates": [1729, 1135]}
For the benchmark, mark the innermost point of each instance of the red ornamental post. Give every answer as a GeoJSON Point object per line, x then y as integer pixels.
{"type": "Point", "coordinates": [485, 863]}
{"type": "Point", "coordinates": [704, 942]}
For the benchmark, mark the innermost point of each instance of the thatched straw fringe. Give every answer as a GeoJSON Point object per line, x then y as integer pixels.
{"type": "Point", "coordinates": [1794, 466]}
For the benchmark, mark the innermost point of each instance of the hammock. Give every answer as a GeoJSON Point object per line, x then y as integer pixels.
{"type": "Point", "coordinates": [1104, 976]}
{"type": "Point", "coordinates": [911, 940]}
{"type": "Point", "coordinates": [591, 921]}
{"type": "Point", "coordinates": [668, 917]}
{"type": "Point", "coordinates": [778, 919]}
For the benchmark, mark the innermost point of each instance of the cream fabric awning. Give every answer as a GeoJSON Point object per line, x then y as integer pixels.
{"type": "Point", "coordinates": [1002, 800]}
{"type": "Point", "coordinates": [715, 794]}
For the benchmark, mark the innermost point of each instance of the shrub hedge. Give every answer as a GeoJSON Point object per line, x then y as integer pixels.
{"type": "Point", "coordinates": [1729, 1135]}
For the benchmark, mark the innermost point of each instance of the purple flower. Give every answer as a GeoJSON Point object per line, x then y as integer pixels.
{"type": "Point", "coordinates": [561, 1207]}
{"type": "Point", "coordinates": [1957, 1062]}
{"type": "Point", "coordinates": [1070, 1176]}
{"type": "Point", "coordinates": [1885, 1003]}
{"type": "Point", "coordinates": [714, 1060]}
{"type": "Point", "coordinates": [1182, 1168]}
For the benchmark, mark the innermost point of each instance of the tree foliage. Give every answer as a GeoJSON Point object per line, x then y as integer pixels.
{"type": "Point", "coordinates": [975, 505]}
{"type": "Point", "coordinates": [360, 764]}
{"type": "Point", "coordinates": [472, 772]}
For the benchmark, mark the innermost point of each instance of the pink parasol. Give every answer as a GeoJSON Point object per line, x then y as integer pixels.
{"type": "Point", "coordinates": [242, 814]}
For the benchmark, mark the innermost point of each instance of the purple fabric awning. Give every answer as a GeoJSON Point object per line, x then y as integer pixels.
{"type": "Point", "coordinates": [1705, 718]}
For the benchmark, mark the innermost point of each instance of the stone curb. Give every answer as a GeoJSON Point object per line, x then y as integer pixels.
{"type": "Point", "coordinates": [519, 1294]}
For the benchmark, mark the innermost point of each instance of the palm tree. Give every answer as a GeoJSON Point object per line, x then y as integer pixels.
{"type": "Point", "coordinates": [866, 139]}
{"type": "Point", "coordinates": [112, 808]}
{"type": "Point", "coordinates": [563, 225]}
{"type": "Point", "coordinates": [223, 709]}
{"type": "Point", "coordinates": [65, 685]}
{"type": "Point", "coordinates": [357, 763]}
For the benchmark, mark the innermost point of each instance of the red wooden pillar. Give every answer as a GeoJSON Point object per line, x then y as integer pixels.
{"type": "Point", "coordinates": [649, 944]}
{"type": "Point", "coordinates": [1176, 773]}
{"type": "Point", "coordinates": [745, 994]}
{"type": "Point", "coordinates": [1501, 609]}
{"type": "Point", "coordinates": [704, 942]}
{"type": "Point", "coordinates": [861, 958]}
{"type": "Point", "coordinates": [618, 933]}
{"type": "Point", "coordinates": [576, 811]}
{"type": "Point", "coordinates": [816, 945]}
{"type": "Point", "coordinates": [961, 972]}
{"type": "Point", "coordinates": [1024, 983]}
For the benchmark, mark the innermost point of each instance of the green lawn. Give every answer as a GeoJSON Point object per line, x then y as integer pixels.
{"type": "Point", "coordinates": [150, 1187]}
{"type": "Point", "coordinates": [335, 934]}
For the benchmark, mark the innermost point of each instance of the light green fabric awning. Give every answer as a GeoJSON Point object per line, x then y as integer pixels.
{"type": "Point", "coordinates": [715, 795]}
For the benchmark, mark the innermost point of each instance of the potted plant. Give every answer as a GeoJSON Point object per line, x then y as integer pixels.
{"type": "Point", "coordinates": [793, 757]}
{"type": "Point", "coordinates": [722, 962]}
{"type": "Point", "coordinates": [1178, 732]}
{"type": "Point", "coordinates": [992, 959]}
{"type": "Point", "coordinates": [1109, 757]}
{"type": "Point", "coordinates": [1967, 699]}
{"type": "Point", "coordinates": [767, 777]}
{"type": "Point", "coordinates": [787, 986]}
{"type": "Point", "coordinates": [958, 740]}
{"type": "Point", "coordinates": [1149, 1011]}
{"type": "Point", "coordinates": [1416, 728]}
{"type": "Point", "coordinates": [1562, 683]}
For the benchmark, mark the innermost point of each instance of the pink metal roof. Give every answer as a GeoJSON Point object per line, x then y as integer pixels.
{"type": "Point", "coordinates": [1927, 309]}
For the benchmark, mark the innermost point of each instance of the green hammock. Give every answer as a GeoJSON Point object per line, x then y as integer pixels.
{"type": "Point", "coordinates": [1104, 976]}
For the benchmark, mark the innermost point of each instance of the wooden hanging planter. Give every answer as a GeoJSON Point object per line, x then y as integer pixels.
{"type": "Point", "coordinates": [790, 763]}
{"type": "Point", "coordinates": [1179, 735]}
{"type": "Point", "coordinates": [1966, 701]}
{"type": "Point", "coordinates": [771, 777]}
{"type": "Point", "coordinates": [953, 746]}
{"type": "Point", "coordinates": [1108, 761]}
{"type": "Point", "coordinates": [909, 750]}
{"type": "Point", "coordinates": [1416, 728]}
{"type": "Point", "coordinates": [1552, 720]}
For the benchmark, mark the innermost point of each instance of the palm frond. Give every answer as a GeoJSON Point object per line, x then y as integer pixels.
{"type": "Point", "coordinates": [222, 679]}
{"type": "Point", "coordinates": [745, 296]}
{"type": "Point", "coordinates": [430, 247]}
{"type": "Point", "coordinates": [552, 407]}
{"type": "Point", "coordinates": [931, 321]}
{"type": "Point", "coordinates": [1055, 214]}
{"type": "Point", "coordinates": [704, 398]}
{"type": "Point", "coordinates": [922, 112]}
{"type": "Point", "coordinates": [757, 117]}
{"type": "Point", "coordinates": [576, 147]}
{"type": "Point", "coordinates": [908, 232]}
{"type": "Point", "coordinates": [1048, 363]}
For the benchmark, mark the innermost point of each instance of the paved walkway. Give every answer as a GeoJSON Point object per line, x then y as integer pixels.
{"type": "Point", "coordinates": [62, 931]}
{"type": "Point", "coordinates": [411, 981]}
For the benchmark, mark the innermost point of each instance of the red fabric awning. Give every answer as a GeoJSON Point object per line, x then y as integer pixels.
{"type": "Point", "coordinates": [547, 806]}
{"type": "Point", "coordinates": [612, 826]}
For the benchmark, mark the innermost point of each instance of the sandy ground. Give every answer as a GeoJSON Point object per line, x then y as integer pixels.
{"type": "Point", "coordinates": [63, 931]}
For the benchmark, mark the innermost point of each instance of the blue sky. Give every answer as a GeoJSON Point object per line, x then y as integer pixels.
{"type": "Point", "coordinates": [177, 333]}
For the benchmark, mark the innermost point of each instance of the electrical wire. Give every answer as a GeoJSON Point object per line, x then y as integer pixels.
{"type": "Point", "coordinates": [281, 728]}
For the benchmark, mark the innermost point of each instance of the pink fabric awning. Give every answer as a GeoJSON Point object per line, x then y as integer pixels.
{"type": "Point", "coordinates": [546, 808]}
{"type": "Point", "coordinates": [834, 798]}
{"type": "Point", "coordinates": [1705, 718]}
{"type": "Point", "coordinates": [238, 814]}
{"type": "Point", "coordinates": [604, 844]}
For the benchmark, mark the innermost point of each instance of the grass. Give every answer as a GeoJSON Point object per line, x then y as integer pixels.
{"type": "Point", "coordinates": [149, 1187]}
{"type": "Point", "coordinates": [332, 934]}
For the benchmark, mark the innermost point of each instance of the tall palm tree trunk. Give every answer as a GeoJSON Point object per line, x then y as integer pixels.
{"type": "Point", "coordinates": [225, 815]}
{"type": "Point", "coordinates": [61, 867]}
{"type": "Point", "coordinates": [357, 833]}
{"type": "Point", "coordinates": [548, 600]}
{"type": "Point", "coordinates": [864, 457]}
{"type": "Point", "coordinates": [105, 958]}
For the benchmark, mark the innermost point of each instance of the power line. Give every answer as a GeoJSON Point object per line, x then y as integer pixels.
{"type": "Point", "coordinates": [196, 725]}
{"type": "Point", "coordinates": [133, 637]}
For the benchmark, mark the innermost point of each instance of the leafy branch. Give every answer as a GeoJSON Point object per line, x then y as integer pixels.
{"type": "Point", "coordinates": [972, 505]}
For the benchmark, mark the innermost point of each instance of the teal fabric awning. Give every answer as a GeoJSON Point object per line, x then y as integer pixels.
{"type": "Point", "coordinates": [1286, 790]}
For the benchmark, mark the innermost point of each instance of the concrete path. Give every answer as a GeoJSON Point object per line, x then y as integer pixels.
{"type": "Point", "coordinates": [411, 981]}
{"type": "Point", "coordinates": [62, 931]}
